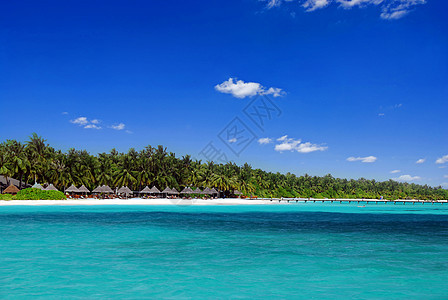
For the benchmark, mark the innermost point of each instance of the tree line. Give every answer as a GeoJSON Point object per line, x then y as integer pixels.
{"type": "Point", "coordinates": [35, 160]}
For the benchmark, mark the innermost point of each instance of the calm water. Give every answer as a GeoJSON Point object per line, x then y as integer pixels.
{"type": "Point", "coordinates": [303, 251]}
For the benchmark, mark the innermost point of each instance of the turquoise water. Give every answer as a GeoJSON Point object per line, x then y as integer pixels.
{"type": "Point", "coordinates": [299, 251]}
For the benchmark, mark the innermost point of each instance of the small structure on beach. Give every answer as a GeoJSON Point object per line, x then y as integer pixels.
{"type": "Point", "coordinates": [83, 189]}
{"type": "Point", "coordinates": [154, 190]}
{"type": "Point", "coordinates": [11, 189]}
{"type": "Point", "coordinates": [51, 187]}
{"type": "Point", "coordinates": [207, 191]}
{"type": "Point", "coordinates": [97, 189]}
{"type": "Point", "coordinates": [174, 191]}
{"type": "Point", "coordinates": [37, 186]}
{"type": "Point", "coordinates": [106, 189]}
{"type": "Point", "coordinates": [167, 191]}
{"type": "Point", "coordinates": [72, 189]}
{"type": "Point", "coordinates": [214, 192]}
{"type": "Point", "coordinates": [146, 190]}
{"type": "Point", "coordinates": [187, 190]}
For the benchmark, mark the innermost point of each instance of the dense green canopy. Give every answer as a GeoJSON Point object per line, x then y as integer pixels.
{"type": "Point", "coordinates": [36, 160]}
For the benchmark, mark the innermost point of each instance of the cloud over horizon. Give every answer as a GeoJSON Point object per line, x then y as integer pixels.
{"type": "Point", "coordinates": [294, 145]}
{"type": "Point", "coordinates": [367, 159]}
{"type": "Point", "coordinates": [85, 123]}
{"type": "Point", "coordinates": [406, 178]}
{"type": "Point", "coordinates": [442, 160]}
{"type": "Point", "coordinates": [241, 89]}
{"type": "Point", "coordinates": [390, 9]}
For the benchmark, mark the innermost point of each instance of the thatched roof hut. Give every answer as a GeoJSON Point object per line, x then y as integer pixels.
{"type": "Point", "coordinates": [106, 189]}
{"type": "Point", "coordinates": [197, 191]}
{"type": "Point", "coordinates": [154, 190]}
{"type": "Point", "coordinates": [97, 189]}
{"type": "Point", "coordinates": [207, 191]}
{"type": "Point", "coordinates": [236, 192]}
{"type": "Point", "coordinates": [11, 189]}
{"type": "Point", "coordinates": [83, 189]}
{"type": "Point", "coordinates": [174, 191]}
{"type": "Point", "coordinates": [167, 190]}
{"type": "Point", "coordinates": [124, 190]}
{"type": "Point", "coordinates": [51, 188]}
{"type": "Point", "coordinates": [37, 186]}
{"type": "Point", "coordinates": [72, 189]}
{"type": "Point", "coordinates": [214, 191]}
{"type": "Point", "coordinates": [146, 190]}
{"type": "Point", "coordinates": [187, 190]}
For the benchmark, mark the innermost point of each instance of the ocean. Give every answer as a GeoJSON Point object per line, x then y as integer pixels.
{"type": "Point", "coordinates": [295, 251]}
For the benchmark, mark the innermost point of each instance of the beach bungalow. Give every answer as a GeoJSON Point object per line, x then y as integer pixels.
{"type": "Point", "coordinates": [11, 189]}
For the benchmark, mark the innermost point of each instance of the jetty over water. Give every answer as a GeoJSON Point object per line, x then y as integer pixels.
{"type": "Point", "coordinates": [376, 201]}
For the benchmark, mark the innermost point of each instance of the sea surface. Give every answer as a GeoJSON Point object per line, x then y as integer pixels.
{"type": "Point", "coordinates": [295, 251]}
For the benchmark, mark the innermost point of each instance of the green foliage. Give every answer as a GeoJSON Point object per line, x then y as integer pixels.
{"type": "Point", "coordinates": [38, 194]}
{"type": "Point", "coordinates": [155, 166]}
{"type": "Point", "coordinates": [6, 197]}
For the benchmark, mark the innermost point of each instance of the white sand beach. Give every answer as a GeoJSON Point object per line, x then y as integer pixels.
{"type": "Point", "coordinates": [139, 201]}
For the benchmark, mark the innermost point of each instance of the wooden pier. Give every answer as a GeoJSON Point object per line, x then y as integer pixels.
{"type": "Point", "coordinates": [359, 201]}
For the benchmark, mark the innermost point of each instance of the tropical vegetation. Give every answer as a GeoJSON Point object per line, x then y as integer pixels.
{"type": "Point", "coordinates": [35, 160]}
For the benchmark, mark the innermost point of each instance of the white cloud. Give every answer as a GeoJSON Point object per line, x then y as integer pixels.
{"type": "Point", "coordinates": [311, 5]}
{"type": "Point", "coordinates": [120, 126]}
{"type": "Point", "coordinates": [65, 113]}
{"type": "Point", "coordinates": [80, 121]}
{"type": "Point", "coordinates": [92, 126]}
{"type": "Point", "coordinates": [445, 176]}
{"type": "Point", "coordinates": [367, 159]}
{"type": "Point", "coordinates": [381, 114]}
{"type": "Point", "coordinates": [233, 140]}
{"type": "Point", "coordinates": [241, 89]}
{"type": "Point", "coordinates": [420, 161]}
{"type": "Point", "coordinates": [263, 141]}
{"type": "Point", "coordinates": [290, 144]}
{"type": "Point", "coordinates": [395, 171]}
{"type": "Point", "coordinates": [390, 9]}
{"type": "Point", "coordinates": [442, 159]}
{"type": "Point", "coordinates": [407, 178]}
{"type": "Point", "coordinates": [85, 123]}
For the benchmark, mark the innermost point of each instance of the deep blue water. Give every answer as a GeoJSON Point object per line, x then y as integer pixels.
{"type": "Point", "coordinates": [300, 251]}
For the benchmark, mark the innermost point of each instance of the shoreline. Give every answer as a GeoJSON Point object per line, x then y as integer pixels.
{"type": "Point", "coordinates": [220, 201]}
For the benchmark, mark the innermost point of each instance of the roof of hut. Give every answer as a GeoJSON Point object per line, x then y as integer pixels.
{"type": "Point", "coordinates": [186, 190]}
{"type": "Point", "coordinates": [214, 191]}
{"type": "Point", "coordinates": [174, 191]}
{"type": "Point", "coordinates": [146, 190]}
{"type": "Point", "coordinates": [37, 186]}
{"type": "Point", "coordinates": [11, 189]}
{"type": "Point", "coordinates": [207, 191]}
{"type": "Point", "coordinates": [106, 189]}
{"type": "Point", "coordinates": [154, 190]}
{"type": "Point", "coordinates": [83, 189]}
{"type": "Point", "coordinates": [197, 191]}
{"type": "Point", "coordinates": [51, 188]}
{"type": "Point", "coordinates": [72, 189]}
{"type": "Point", "coordinates": [236, 192]}
{"type": "Point", "coordinates": [167, 190]}
{"type": "Point", "coordinates": [97, 189]}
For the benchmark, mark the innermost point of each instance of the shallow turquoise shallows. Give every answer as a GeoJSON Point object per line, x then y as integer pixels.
{"type": "Point", "coordinates": [300, 251]}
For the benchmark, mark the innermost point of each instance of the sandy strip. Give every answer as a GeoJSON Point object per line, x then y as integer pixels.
{"type": "Point", "coordinates": [138, 201]}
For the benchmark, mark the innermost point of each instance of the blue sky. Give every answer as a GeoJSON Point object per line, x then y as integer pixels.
{"type": "Point", "coordinates": [360, 86]}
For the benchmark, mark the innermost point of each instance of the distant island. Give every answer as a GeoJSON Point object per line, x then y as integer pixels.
{"type": "Point", "coordinates": [35, 160]}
